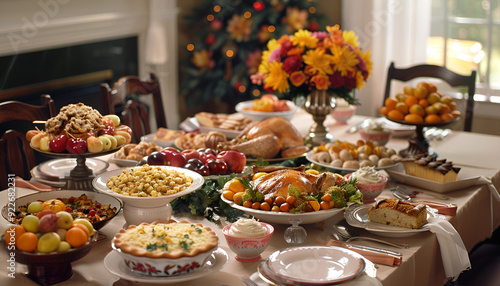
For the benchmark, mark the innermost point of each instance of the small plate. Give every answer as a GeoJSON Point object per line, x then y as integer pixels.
{"type": "Point", "coordinates": [344, 170]}
{"type": "Point", "coordinates": [463, 181]}
{"type": "Point", "coordinates": [57, 169]}
{"type": "Point", "coordinates": [316, 265]}
{"type": "Point", "coordinates": [123, 162]}
{"type": "Point", "coordinates": [161, 143]}
{"type": "Point", "coordinates": [285, 217]}
{"type": "Point", "coordinates": [357, 216]}
{"type": "Point", "coordinates": [230, 134]}
{"type": "Point", "coordinates": [243, 108]}
{"type": "Point", "coordinates": [114, 263]}
{"type": "Point", "coordinates": [35, 174]}
{"type": "Point", "coordinates": [398, 130]}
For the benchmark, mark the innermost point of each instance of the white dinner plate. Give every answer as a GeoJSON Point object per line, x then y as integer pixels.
{"type": "Point", "coordinates": [309, 158]}
{"type": "Point", "coordinates": [123, 162]}
{"type": "Point", "coordinates": [35, 174]}
{"type": "Point", "coordinates": [285, 217]}
{"type": "Point", "coordinates": [99, 183]}
{"type": "Point", "coordinates": [463, 181]}
{"type": "Point", "coordinates": [316, 265]}
{"type": "Point", "coordinates": [115, 264]}
{"type": "Point", "coordinates": [398, 130]}
{"type": "Point", "coordinates": [357, 216]}
{"type": "Point", "coordinates": [244, 108]}
{"type": "Point", "coordinates": [59, 168]}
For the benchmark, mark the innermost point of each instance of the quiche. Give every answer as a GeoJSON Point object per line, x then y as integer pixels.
{"type": "Point", "coordinates": [166, 239]}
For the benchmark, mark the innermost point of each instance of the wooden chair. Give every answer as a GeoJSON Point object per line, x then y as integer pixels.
{"type": "Point", "coordinates": [134, 113]}
{"type": "Point", "coordinates": [16, 156]}
{"type": "Point", "coordinates": [433, 71]}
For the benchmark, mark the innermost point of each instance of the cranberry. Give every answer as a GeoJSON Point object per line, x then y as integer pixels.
{"type": "Point", "coordinates": [92, 213]}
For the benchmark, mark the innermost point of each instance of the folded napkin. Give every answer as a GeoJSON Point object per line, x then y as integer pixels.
{"type": "Point", "coordinates": [453, 252]}
{"type": "Point", "coordinates": [21, 183]}
{"type": "Point", "coordinates": [492, 184]}
{"type": "Point", "coordinates": [375, 257]}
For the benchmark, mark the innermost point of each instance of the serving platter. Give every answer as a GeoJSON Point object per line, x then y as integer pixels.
{"type": "Point", "coordinates": [285, 217]}
{"type": "Point", "coordinates": [244, 108]}
{"type": "Point", "coordinates": [58, 169]}
{"type": "Point", "coordinates": [357, 216]}
{"type": "Point", "coordinates": [463, 181]}
{"type": "Point", "coordinates": [114, 263]}
{"type": "Point", "coordinates": [342, 170]}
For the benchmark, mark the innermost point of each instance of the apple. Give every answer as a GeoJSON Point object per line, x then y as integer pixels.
{"type": "Point", "coordinates": [35, 207]}
{"type": "Point", "coordinates": [65, 220]}
{"type": "Point", "coordinates": [62, 233]}
{"type": "Point", "coordinates": [280, 105]}
{"type": "Point", "coordinates": [107, 130]}
{"type": "Point", "coordinates": [48, 242]}
{"type": "Point", "coordinates": [94, 144]}
{"type": "Point", "coordinates": [106, 142]}
{"type": "Point", "coordinates": [31, 223]}
{"type": "Point", "coordinates": [125, 128]}
{"type": "Point", "coordinates": [113, 140]}
{"type": "Point", "coordinates": [217, 166]}
{"type": "Point", "coordinates": [235, 160]}
{"type": "Point", "coordinates": [190, 154]}
{"type": "Point", "coordinates": [120, 139]}
{"type": "Point", "coordinates": [44, 143]}
{"type": "Point", "coordinates": [76, 145]}
{"type": "Point", "coordinates": [86, 223]}
{"type": "Point", "coordinates": [31, 133]}
{"type": "Point", "coordinates": [58, 144]}
{"type": "Point", "coordinates": [157, 158]}
{"type": "Point", "coordinates": [270, 97]}
{"type": "Point", "coordinates": [128, 137]}
{"type": "Point", "coordinates": [48, 223]}
{"type": "Point", "coordinates": [45, 212]}
{"type": "Point", "coordinates": [63, 246]}
{"type": "Point", "coordinates": [108, 122]}
{"type": "Point", "coordinates": [114, 118]}
{"type": "Point", "coordinates": [174, 158]}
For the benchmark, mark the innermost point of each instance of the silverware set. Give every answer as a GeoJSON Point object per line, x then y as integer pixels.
{"type": "Point", "coordinates": [437, 134]}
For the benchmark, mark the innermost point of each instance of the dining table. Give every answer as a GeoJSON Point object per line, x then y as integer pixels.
{"type": "Point", "coordinates": [477, 216]}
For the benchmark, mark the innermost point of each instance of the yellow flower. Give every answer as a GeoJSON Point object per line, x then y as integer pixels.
{"type": "Point", "coordinates": [201, 59]}
{"type": "Point", "coordinates": [303, 38]}
{"type": "Point", "coordinates": [345, 60]}
{"type": "Point", "coordinates": [350, 38]}
{"type": "Point", "coordinates": [239, 28]}
{"type": "Point", "coordinates": [360, 80]}
{"type": "Point", "coordinates": [319, 61]}
{"type": "Point", "coordinates": [295, 18]}
{"type": "Point", "coordinates": [271, 46]}
{"type": "Point", "coordinates": [366, 58]}
{"type": "Point", "coordinates": [277, 79]}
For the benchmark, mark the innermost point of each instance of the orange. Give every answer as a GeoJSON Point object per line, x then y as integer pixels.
{"type": "Point", "coordinates": [456, 113]}
{"type": "Point", "coordinates": [417, 109]}
{"type": "Point", "coordinates": [84, 228]}
{"type": "Point", "coordinates": [408, 90]}
{"type": "Point", "coordinates": [423, 102]}
{"type": "Point", "coordinates": [236, 186]}
{"type": "Point", "coordinates": [383, 110]}
{"type": "Point", "coordinates": [446, 109]}
{"type": "Point", "coordinates": [390, 103]}
{"type": "Point", "coordinates": [452, 105]}
{"type": "Point", "coordinates": [76, 237]}
{"type": "Point", "coordinates": [420, 92]}
{"type": "Point", "coordinates": [238, 198]}
{"type": "Point", "coordinates": [414, 118]}
{"type": "Point", "coordinates": [395, 115]}
{"type": "Point", "coordinates": [12, 233]}
{"type": "Point", "coordinates": [447, 117]}
{"type": "Point", "coordinates": [432, 119]}
{"type": "Point", "coordinates": [228, 195]}
{"type": "Point", "coordinates": [401, 106]}
{"type": "Point", "coordinates": [411, 100]}
{"type": "Point", "coordinates": [431, 87]}
{"type": "Point", "coordinates": [27, 242]}
{"type": "Point", "coordinates": [433, 97]}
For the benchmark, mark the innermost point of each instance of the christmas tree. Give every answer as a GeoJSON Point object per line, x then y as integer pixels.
{"type": "Point", "coordinates": [230, 37]}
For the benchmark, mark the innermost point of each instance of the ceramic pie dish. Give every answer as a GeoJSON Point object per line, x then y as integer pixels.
{"type": "Point", "coordinates": [165, 248]}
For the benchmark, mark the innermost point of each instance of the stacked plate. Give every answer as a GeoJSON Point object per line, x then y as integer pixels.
{"type": "Point", "coordinates": [311, 265]}
{"type": "Point", "coordinates": [54, 171]}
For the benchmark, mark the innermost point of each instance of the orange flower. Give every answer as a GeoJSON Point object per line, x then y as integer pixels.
{"type": "Point", "coordinates": [321, 82]}
{"type": "Point", "coordinates": [297, 78]}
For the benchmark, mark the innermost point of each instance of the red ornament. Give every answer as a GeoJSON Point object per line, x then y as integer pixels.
{"type": "Point", "coordinates": [210, 39]}
{"type": "Point", "coordinates": [313, 26]}
{"type": "Point", "coordinates": [258, 6]}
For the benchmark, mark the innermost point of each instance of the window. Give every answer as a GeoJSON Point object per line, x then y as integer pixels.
{"type": "Point", "coordinates": [465, 35]}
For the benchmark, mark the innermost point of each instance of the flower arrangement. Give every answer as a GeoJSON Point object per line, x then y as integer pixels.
{"type": "Point", "coordinates": [305, 61]}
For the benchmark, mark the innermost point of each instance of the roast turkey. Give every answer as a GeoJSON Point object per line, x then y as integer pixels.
{"type": "Point", "coordinates": [268, 138]}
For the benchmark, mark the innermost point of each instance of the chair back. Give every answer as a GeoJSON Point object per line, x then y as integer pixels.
{"type": "Point", "coordinates": [433, 71]}
{"type": "Point", "coordinates": [16, 156]}
{"type": "Point", "coordinates": [134, 113]}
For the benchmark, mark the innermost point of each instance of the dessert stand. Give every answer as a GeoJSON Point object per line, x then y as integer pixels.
{"type": "Point", "coordinates": [80, 178]}
{"type": "Point", "coordinates": [418, 144]}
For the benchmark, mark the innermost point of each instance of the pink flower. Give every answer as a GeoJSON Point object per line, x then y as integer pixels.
{"type": "Point", "coordinates": [293, 63]}
{"type": "Point", "coordinates": [275, 56]}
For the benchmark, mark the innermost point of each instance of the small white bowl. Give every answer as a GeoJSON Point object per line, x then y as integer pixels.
{"type": "Point", "coordinates": [343, 113]}
{"type": "Point", "coordinates": [378, 137]}
{"type": "Point", "coordinates": [248, 249]}
{"type": "Point", "coordinates": [244, 108]}
{"type": "Point", "coordinates": [370, 191]}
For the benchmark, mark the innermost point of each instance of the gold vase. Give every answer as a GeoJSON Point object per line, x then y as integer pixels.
{"type": "Point", "coordinates": [319, 104]}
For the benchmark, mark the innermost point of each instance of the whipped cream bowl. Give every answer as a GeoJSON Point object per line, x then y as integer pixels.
{"type": "Point", "coordinates": [248, 239]}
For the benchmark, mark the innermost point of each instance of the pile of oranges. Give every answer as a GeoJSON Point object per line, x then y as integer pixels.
{"type": "Point", "coordinates": [420, 104]}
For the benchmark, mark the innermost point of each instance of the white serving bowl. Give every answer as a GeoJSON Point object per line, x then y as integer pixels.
{"type": "Point", "coordinates": [343, 113]}
{"type": "Point", "coordinates": [370, 191]}
{"type": "Point", "coordinates": [243, 108]}
{"type": "Point", "coordinates": [248, 249]}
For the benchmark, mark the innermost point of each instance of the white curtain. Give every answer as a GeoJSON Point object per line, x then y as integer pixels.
{"type": "Point", "coordinates": [393, 30]}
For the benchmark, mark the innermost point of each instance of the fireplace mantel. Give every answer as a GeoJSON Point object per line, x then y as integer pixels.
{"type": "Point", "coordinates": [36, 25]}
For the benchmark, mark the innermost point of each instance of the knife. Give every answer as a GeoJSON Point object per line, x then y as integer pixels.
{"type": "Point", "coordinates": [374, 249]}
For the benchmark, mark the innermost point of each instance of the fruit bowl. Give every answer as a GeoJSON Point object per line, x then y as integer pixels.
{"type": "Point", "coordinates": [103, 199]}
{"type": "Point", "coordinates": [244, 108]}
{"type": "Point", "coordinates": [53, 267]}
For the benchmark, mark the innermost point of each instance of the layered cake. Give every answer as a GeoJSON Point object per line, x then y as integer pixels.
{"type": "Point", "coordinates": [398, 213]}
{"type": "Point", "coordinates": [428, 167]}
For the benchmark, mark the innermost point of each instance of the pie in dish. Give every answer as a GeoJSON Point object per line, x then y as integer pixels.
{"type": "Point", "coordinates": [165, 248]}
